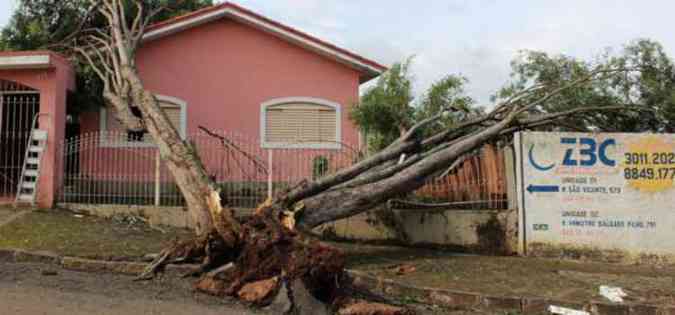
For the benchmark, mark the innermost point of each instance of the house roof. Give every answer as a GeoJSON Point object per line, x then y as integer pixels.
{"type": "Point", "coordinates": [369, 69]}
{"type": "Point", "coordinates": [33, 59]}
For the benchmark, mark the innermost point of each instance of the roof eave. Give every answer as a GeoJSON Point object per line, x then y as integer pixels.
{"type": "Point", "coordinates": [33, 61]}
{"type": "Point", "coordinates": [368, 69]}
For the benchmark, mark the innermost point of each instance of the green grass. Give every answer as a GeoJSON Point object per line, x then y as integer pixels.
{"type": "Point", "coordinates": [91, 237]}
{"type": "Point", "coordinates": [514, 276]}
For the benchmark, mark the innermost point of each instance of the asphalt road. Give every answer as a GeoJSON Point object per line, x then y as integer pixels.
{"type": "Point", "coordinates": [24, 289]}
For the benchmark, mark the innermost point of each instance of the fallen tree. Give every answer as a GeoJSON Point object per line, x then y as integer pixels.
{"type": "Point", "coordinates": [270, 257]}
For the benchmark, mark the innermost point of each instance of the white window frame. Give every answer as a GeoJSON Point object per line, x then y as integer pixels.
{"type": "Point", "coordinates": [301, 145]}
{"type": "Point", "coordinates": [103, 125]}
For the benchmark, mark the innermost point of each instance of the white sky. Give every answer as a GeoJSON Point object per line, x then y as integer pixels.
{"type": "Point", "coordinates": [476, 38]}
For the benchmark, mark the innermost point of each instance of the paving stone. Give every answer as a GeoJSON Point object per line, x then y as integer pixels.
{"type": "Point", "coordinates": [534, 305]}
{"type": "Point", "coordinates": [501, 303]}
{"type": "Point", "coordinates": [456, 300]}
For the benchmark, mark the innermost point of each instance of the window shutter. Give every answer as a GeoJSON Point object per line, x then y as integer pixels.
{"type": "Point", "coordinates": [300, 123]}
{"type": "Point", "coordinates": [173, 113]}
{"type": "Point", "coordinates": [118, 132]}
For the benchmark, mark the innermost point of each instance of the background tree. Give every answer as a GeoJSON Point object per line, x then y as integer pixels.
{"type": "Point", "coordinates": [652, 88]}
{"type": "Point", "coordinates": [446, 93]}
{"type": "Point", "coordinates": [384, 112]}
{"type": "Point", "coordinates": [387, 110]}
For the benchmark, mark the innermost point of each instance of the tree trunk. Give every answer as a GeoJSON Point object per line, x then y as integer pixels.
{"type": "Point", "coordinates": [345, 202]}
{"type": "Point", "coordinates": [180, 156]}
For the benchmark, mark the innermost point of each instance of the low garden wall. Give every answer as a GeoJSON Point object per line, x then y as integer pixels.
{"type": "Point", "coordinates": [474, 231]}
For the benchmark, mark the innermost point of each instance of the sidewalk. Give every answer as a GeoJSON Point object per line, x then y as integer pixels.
{"type": "Point", "coordinates": [506, 279]}
{"type": "Point", "coordinates": [514, 276]}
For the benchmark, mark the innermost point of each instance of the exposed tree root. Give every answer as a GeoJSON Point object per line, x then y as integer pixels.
{"type": "Point", "coordinates": [268, 261]}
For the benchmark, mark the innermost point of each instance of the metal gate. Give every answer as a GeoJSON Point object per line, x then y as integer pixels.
{"type": "Point", "coordinates": [18, 106]}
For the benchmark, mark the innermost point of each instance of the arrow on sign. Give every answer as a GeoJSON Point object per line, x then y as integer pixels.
{"type": "Point", "coordinates": [543, 188]}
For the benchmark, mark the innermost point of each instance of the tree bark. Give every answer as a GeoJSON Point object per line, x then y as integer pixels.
{"type": "Point", "coordinates": [345, 202]}
{"type": "Point", "coordinates": [180, 156]}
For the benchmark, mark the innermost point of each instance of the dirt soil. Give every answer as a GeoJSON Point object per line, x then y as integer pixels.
{"type": "Point", "coordinates": [515, 276]}
{"type": "Point", "coordinates": [85, 236]}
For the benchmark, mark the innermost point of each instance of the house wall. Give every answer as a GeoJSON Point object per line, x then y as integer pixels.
{"type": "Point", "coordinates": [225, 70]}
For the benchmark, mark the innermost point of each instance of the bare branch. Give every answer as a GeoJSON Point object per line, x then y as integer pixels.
{"type": "Point", "coordinates": [230, 144]}
{"type": "Point", "coordinates": [580, 81]}
{"type": "Point", "coordinates": [91, 63]}
{"type": "Point", "coordinates": [420, 125]}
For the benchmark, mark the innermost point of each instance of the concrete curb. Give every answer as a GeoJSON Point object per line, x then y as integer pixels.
{"type": "Point", "coordinates": [450, 299]}
{"type": "Point", "coordinates": [459, 300]}
{"type": "Point", "coordinates": [86, 265]}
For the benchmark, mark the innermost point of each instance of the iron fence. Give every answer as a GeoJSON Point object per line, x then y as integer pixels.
{"type": "Point", "coordinates": [107, 168]}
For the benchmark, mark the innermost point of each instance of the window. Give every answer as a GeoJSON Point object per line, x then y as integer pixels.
{"type": "Point", "coordinates": [115, 135]}
{"type": "Point", "coordinates": [300, 122]}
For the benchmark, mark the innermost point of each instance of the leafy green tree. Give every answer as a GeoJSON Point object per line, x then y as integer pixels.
{"type": "Point", "coordinates": [388, 109]}
{"type": "Point", "coordinates": [384, 111]}
{"type": "Point", "coordinates": [445, 93]}
{"type": "Point", "coordinates": [649, 86]}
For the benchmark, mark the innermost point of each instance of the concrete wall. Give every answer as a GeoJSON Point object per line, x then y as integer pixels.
{"type": "Point", "coordinates": [605, 196]}
{"type": "Point", "coordinates": [162, 216]}
{"type": "Point", "coordinates": [476, 231]}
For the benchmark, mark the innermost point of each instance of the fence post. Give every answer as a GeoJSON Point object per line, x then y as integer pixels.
{"type": "Point", "coordinates": [158, 187]}
{"type": "Point", "coordinates": [510, 174]}
{"type": "Point", "coordinates": [269, 174]}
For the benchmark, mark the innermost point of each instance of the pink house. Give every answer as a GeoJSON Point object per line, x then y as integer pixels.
{"type": "Point", "coordinates": [227, 68]}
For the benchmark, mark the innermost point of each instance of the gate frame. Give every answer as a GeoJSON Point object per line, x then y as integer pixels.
{"type": "Point", "coordinates": [52, 76]}
{"type": "Point", "coordinates": [27, 123]}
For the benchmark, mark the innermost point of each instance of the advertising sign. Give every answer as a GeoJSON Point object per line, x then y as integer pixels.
{"type": "Point", "coordinates": [606, 191]}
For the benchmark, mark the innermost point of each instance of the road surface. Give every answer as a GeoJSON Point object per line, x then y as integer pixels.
{"type": "Point", "coordinates": [24, 289]}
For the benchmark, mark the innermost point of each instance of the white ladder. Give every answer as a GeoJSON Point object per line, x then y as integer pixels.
{"type": "Point", "coordinates": [26, 192]}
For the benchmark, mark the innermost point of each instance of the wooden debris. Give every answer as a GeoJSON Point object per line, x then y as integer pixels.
{"type": "Point", "coordinates": [259, 291]}
{"type": "Point", "coordinates": [404, 269]}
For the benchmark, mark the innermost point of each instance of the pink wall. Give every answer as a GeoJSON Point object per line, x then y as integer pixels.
{"type": "Point", "coordinates": [53, 84]}
{"type": "Point", "coordinates": [224, 70]}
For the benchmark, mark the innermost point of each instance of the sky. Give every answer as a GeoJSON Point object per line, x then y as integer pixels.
{"type": "Point", "coordinates": [474, 38]}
